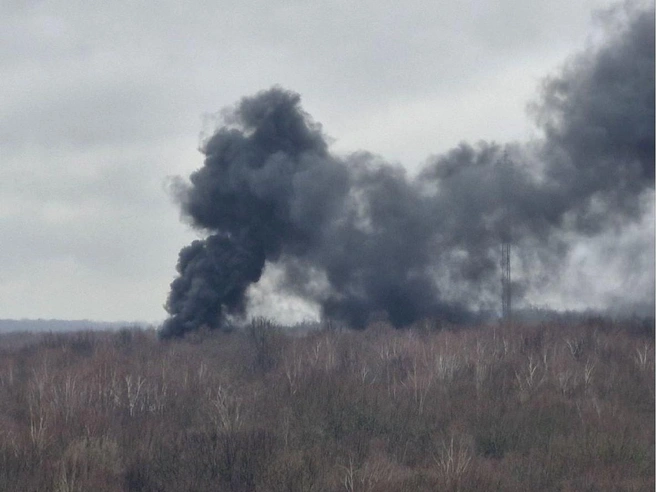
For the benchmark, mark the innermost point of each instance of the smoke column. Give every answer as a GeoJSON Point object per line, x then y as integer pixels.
{"type": "Point", "coordinates": [358, 236]}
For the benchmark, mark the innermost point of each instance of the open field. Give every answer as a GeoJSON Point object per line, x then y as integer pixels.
{"type": "Point", "coordinates": [542, 407]}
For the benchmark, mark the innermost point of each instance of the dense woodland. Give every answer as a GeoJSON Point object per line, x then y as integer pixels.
{"type": "Point", "coordinates": [550, 406]}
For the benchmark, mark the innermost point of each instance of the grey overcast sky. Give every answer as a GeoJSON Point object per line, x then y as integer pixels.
{"type": "Point", "coordinates": [101, 102]}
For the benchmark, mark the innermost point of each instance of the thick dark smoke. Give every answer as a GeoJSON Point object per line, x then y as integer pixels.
{"type": "Point", "coordinates": [359, 237]}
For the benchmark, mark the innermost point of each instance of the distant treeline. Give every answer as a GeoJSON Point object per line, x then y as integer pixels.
{"type": "Point", "coordinates": [60, 325]}
{"type": "Point", "coordinates": [530, 314]}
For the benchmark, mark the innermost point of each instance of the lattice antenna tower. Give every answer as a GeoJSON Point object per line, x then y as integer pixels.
{"type": "Point", "coordinates": [506, 298]}
{"type": "Point", "coordinates": [506, 293]}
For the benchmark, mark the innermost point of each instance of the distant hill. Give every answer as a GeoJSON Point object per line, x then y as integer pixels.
{"type": "Point", "coordinates": [60, 325]}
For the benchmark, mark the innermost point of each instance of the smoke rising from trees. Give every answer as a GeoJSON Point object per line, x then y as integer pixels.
{"type": "Point", "coordinates": [358, 236]}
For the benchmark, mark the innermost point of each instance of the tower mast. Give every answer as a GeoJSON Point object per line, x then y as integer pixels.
{"type": "Point", "coordinates": [506, 300]}
{"type": "Point", "coordinates": [506, 297]}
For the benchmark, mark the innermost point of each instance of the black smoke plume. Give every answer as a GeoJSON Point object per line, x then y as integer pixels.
{"type": "Point", "coordinates": [358, 236]}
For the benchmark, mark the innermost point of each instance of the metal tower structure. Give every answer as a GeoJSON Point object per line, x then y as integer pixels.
{"type": "Point", "coordinates": [506, 238]}
{"type": "Point", "coordinates": [506, 299]}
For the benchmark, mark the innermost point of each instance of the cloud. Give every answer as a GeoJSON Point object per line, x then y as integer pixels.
{"type": "Point", "coordinates": [101, 103]}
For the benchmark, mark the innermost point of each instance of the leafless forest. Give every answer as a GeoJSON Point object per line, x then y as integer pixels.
{"type": "Point", "coordinates": [514, 408]}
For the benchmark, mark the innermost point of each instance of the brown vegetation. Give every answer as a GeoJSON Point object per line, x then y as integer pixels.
{"type": "Point", "coordinates": [519, 408]}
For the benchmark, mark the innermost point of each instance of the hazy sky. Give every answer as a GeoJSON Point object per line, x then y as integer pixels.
{"type": "Point", "coordinates": [101, 102]}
